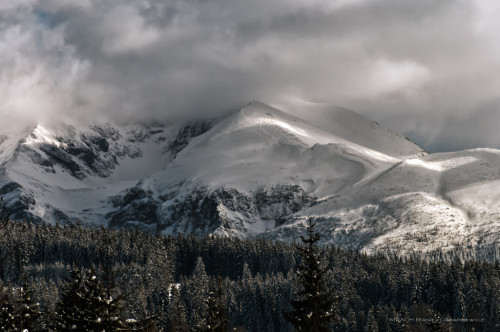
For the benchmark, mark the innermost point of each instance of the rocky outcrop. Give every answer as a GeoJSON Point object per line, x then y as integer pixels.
{"type": "Point", "coordinates": [279, 201]}
{"type": "Point", "coordinates": [137, 206]}
{"type": "Point", "coordinates": [58, 156]}
{"type": "Point", "coordinates": [187, 133]}
{"type": "Point", "coordinates": [37, 158]}
{"type": "Point", "coordinates": [205, 211]}
{"type": "Point", "coordinates": [94, 152]}
{"type": "Point", "coordinates": [16, 203]}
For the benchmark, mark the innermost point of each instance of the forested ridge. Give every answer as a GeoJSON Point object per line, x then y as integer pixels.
{"type": "Point", "coordinates": [192, 284]}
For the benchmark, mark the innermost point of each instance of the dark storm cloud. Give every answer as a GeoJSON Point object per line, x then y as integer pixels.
{"type": "Point", "coordinates": [418, 67]}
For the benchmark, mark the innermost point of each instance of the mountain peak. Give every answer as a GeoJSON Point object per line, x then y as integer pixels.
{"type": "Point", "coordinates": [259, 171]}
{"type": "Point", "coordinates": [353, 127]}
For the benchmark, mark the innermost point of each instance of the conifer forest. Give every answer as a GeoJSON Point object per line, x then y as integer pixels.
{"type": "Point", "coordinates": [70, 278]}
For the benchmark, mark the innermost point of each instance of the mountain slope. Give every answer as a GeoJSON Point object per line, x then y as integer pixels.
{"type": "Point", "coordinates": [254, 151]}
{"type": "Point", "coordinates": [352, 127]}
{"type": "Point", "coordinates": [443, 201]}
{"type": "Point", "coordinates": [259, 171]}
{"type": "Point", "coordinates": [63, 172]}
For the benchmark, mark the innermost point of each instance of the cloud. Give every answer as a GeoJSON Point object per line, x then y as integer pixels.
{"type": "Point", "coordinates": [411, 65]}
{"type": "Point", "coordinates": [393, 77]}
{"type": "Point", "coordinates": [480, 128]}
{"type": "Point", "coordinates": [38, 70]}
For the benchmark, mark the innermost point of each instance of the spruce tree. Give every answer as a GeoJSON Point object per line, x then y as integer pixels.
{"type": "Point", "coordinates": [314, 305]}
{"type": "Point", "coordinates": [352, 323]}
{"type": "Point", "coordinates": [7, 317]}
{"type": "Point", "coordinates": [86, 306]}
{"type": "Point", "coordinates": [70, 311]}
{"type": "Point", "coordinates": [113, 306]}
{"type": "Point", "coordinates": [216, 320]}
{"type": "Point", "coordinates": [177, 321]}
{"type": "Point", "coordinates": [28, 311]}
{"type": "Point", "coordinates": [196, 290]}
{"type": "Point", "coordinates": [371, 323]}
{"type": "Point", "coordinates": [95, 305]}
{"type": "Point", "coordinates": [161, 264]}
{"type": "Point", "coordinates": [112, 319]}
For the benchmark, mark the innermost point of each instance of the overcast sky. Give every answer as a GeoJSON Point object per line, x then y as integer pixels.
{"type": "Point", "coordinates": [428, 69]}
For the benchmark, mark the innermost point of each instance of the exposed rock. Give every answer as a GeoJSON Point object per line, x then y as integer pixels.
{"type": "Point", "coordinates": [187, 133]}
{"type": "Point", "coordinates": [131, 151]}
{"type": "Point", "coordinates": [107, 132]}
{"type": "Point", "coordinates": [83, 153]}
{"type": "Point", "coordinates": [9, 187]}
{"type": "Point", "coordinates": [139, 135]}
{"type": "Point", "coordinates": [137, 205]}
{"type": "Point", "coordinates": [61, 157]}
{"type": "Point", "coordinates": [36, 157]}
{"type": "Point", "coordinates": [203, 211]}
{"type": "Point", "coordinates": [100, 142]}
{"type": "Point", "coordinates": [278, 201]}
{"type": "Point", "coordinates": [60, 217]}
{"type": "Point", "coordinates": [16, 203]}
{"type": "Point", "coordinates": [92, 153]}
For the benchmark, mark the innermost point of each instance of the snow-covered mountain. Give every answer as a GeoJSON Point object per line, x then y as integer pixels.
{"type": "Point", "coordinates": [259, 171]}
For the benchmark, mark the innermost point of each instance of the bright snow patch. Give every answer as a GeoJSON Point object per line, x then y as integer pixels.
{"type": "Point", "coordinates": [42, 135]}
{"type": "Point", "coordinates": [433, 166]}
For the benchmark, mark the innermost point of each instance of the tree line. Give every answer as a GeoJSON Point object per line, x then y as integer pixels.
{"type": "Point", "coordinates": [132, 281]}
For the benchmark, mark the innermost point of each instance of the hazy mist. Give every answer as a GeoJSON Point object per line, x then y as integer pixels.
{"type": "Point", "coordinates": [428, 69]}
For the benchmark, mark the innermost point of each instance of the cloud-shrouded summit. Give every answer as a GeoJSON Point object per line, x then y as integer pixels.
{"type": "Point", "coordinates": [428, 69]}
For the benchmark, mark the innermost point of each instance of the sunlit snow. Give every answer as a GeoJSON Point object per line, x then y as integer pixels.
{"type": "Point", "coordinates": [439, 166]}
{"type": "Point", "coordinates": [433, 166]}
{"type": "Point", "coordinates": [42, 135]}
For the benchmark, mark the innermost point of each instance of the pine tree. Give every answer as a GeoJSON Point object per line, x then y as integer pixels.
{"type": "Point", "coordinates": [72, 306]}
{"type": "Point", "coordinates": [196, 289]}
{"type": "Point", "coordinates": [5, 251]}
{"type": "Point", "coordinates": [249, 310]}
{"type": "Point", "coordinates": [7, 317]}
{"type": "Point", "coordinates": [160, 265]}
{"type": "Point", "coordinates": [86, 306]}
{"type": "Point", "coordinates": [28, 311]}
{"type": "Point", "coordinates": [113, 303]}
{"type": "Point", "coordinates": [216, 320]}
{"type": "Point", "coordinates": [95, 306]}
{"type": "Point", "coordinates": [352, 322]}
{"type": "Point", "coordinates": [314, 306]}
{"type": "Point", "coordinates": [371, 324]}
{"type": "Point", "coordinates": [113, 307]}
{"type": "Point", "coordinates": [177, 321]}
{"type": "Point", "coordinates": [435, 323]}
